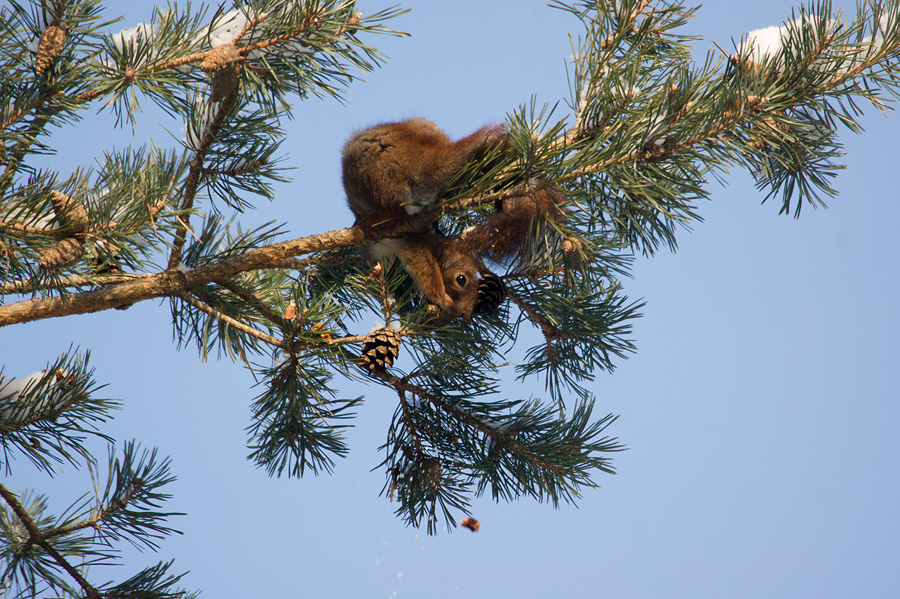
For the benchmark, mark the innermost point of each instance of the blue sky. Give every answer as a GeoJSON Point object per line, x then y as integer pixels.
{"type": "Point", "coordinates": [760, 409]}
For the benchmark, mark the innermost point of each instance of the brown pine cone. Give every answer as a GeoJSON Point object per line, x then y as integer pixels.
{"type": "Point", "coordinates": [61, 254]}
{"type": "Point", "coordinates": [379, 349]}
{"type": "Point", "coordinates": [491, 293]}
{"type": "Point", "coordinates": [70, 214]}
{"type": "Point", "coordinates": [52, 41]}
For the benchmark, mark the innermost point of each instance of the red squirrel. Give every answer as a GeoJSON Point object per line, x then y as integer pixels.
{"type": "Point", "coordinates": [394, 169]}
{"type": "Point", "coordinates": [397, 169]}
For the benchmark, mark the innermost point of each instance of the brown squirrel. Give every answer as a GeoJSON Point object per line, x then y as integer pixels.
{"type": "Point", "coordinates": [396, 169]}
{"type": "Point", "coordinates": [504, 236]}
{"type": "Point", "coordinates": [445, 275]}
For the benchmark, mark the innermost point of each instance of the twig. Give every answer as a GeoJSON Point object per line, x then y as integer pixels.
{"type": "Point", "coordinates": [550, 332]}
{"type": "Point", "coordinates": [250, 25]}
{"type": "Point", "coordinates": [631, 19]}
{"type": "Point", "coordinates": [28, 230]}
{"type": "Point", "coordinates": [262, 308]}
{"type": "Point", "coordinates": [402, 386]}
{"type": "Point", "coordinates": [192, 181]}
{"type": "Point", "coordinates": [187, 297]}
{"type": "Point", "coordinates": [94, 520]}
{"type": "Point", "coordinates": [37, 538]}
{"type": "Point", "coordinates": [407, 417]}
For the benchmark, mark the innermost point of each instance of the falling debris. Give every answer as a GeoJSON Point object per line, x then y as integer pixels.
{"type": "Point", "coordinates": [471, 523]}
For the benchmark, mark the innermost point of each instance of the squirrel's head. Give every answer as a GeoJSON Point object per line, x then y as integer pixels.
{"type": "Point", "coordinates": [460, 273]}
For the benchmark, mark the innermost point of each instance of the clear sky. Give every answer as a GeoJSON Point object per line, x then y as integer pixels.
{"type": "Point", "coordinates": [761, 409]}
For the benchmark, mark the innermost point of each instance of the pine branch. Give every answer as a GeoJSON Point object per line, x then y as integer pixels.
{"type": "Point", "coordinates": [263, 309]}
{"type": "Point", "coordinates": [38, 538]}
{"type": "Point", "coordinates": [224, 110]}
{"type": "Point", "coordinates": [279, 343]}
{"type": "Point", "coordinates": [14, 228]}
{"type": "Point", "coordinates": [32, 285]}
{"type": "Point", "coordinates": [628, 25]}
{"type": "Point", "coordinates": [171, 283]}
{"type": "Point", "coordinates": [402, 386]}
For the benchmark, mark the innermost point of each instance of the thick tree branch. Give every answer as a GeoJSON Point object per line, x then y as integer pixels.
{"type": "Point", "coordinates": [174, 282]}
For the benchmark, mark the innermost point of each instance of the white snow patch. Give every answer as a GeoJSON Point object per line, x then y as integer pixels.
{"type": "Point", "coordinates": [15, 392]}
{"type": "Point", "coordinates": [195, 131]}
{"type": "Point", "coordinates": [131, 36]}
{"type": "Point", "coordinates": [761, 45]}
{"type": "Point", "coordinates": [227, 27]}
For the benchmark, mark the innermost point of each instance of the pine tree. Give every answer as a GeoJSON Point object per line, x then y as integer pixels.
{"type": "Point", "coordinates": [644, 130]}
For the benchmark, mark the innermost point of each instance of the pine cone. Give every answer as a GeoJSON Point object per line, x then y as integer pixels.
{"type": "Point", "coordinates": [61, 254]}
{"type": "Point", "coordinates": [491, 293]}
{"type": "Point", "coordinates": [379, 350]}
{"type": "Point", "coordinates": [70, 213]}
{"type": "Point", "coordinates": [224, 64]}
{"type": "Point", "coordinates": [52, 41]}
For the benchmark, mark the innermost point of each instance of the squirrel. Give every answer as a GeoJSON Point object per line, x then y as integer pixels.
{"type": "Point", "coordinates": [504, 236]}
{"type": "Point", "coordinates": [396, 169]}
{"type": "Point", "coordinates": [445, 275]}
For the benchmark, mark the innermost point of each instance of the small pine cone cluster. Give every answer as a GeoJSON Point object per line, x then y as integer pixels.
{"type": "Point", "coordinates": [379, 349]}
{"type": "Point", "coordinates": [50, 46]}
{"type": "Point", "coordinates": [74, 221]}
{"type": "Point", "coordinates": [491, 293]}
{"type": "Point", "coordinates": [224, 64]}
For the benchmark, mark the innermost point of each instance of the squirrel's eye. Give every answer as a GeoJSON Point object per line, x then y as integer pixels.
{"type": "Point", "coordinates": [461, 280]}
